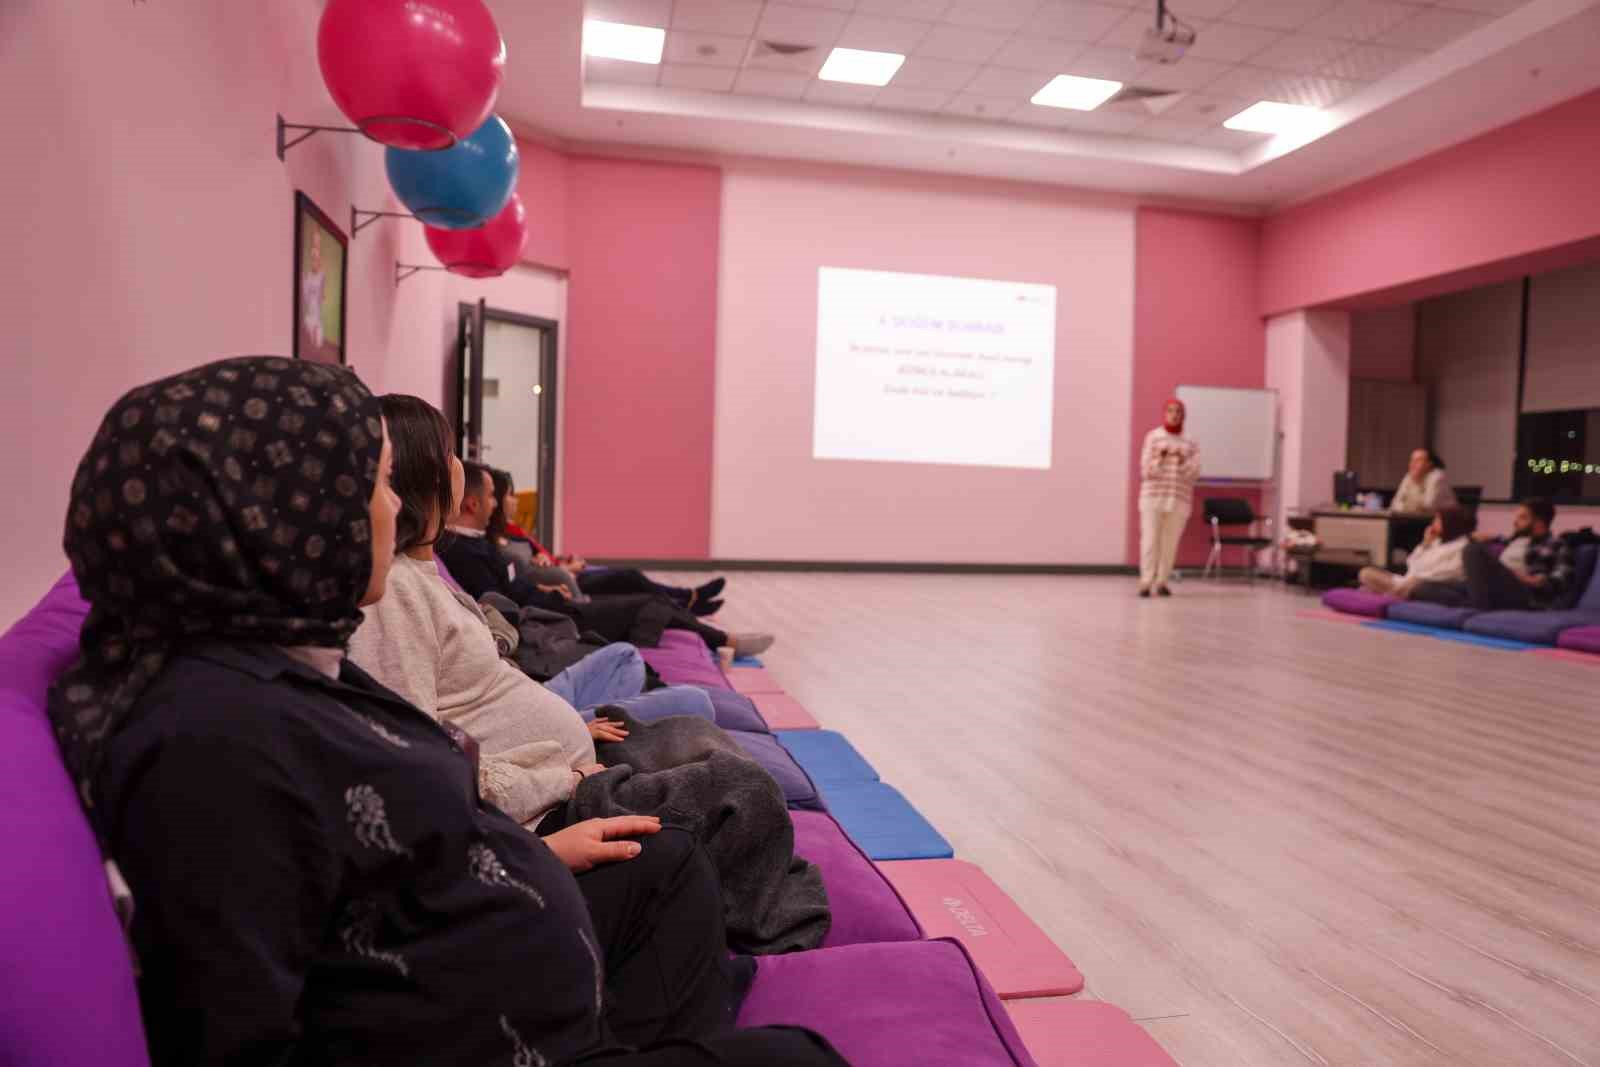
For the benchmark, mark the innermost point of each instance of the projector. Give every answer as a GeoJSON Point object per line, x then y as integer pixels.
{"type": "Point", "coordinates": [1166, 43]}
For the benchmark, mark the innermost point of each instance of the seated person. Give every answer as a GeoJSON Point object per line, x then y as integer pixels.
{"type": "Point", "coordinates": [314, 877]}
{"type": "Point", "coordinates": [1437, 559]}
{"type": "Point", "coordinates": [1424, 489]}
{"type": "Point", "coordinates": [534, 560]}
{"type": "Point", "coordinates": [1532, 572]}
{"type": "Point", "coordinates": [538, 763]}
{"type": "Point", "coordinates": [475, 562]}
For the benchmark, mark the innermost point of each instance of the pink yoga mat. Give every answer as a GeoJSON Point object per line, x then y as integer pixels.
{"type": "Point", "coordinates": [1084, 1033]}
{"type": "Point", "coordinates": [752, 680]}
{"type": "Point", "coordinates": [953, 898]}
{"type": "Point", "coordinates": [1570, 655]}
{"type": "Point", "coordinates": [783, 712]}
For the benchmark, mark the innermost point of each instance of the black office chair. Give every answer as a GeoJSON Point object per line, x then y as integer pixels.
{"type": "Point", "coordinates": [1234, 512]}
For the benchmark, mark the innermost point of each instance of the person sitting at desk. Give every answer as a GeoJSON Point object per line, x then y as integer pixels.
{"type": "Point", "coordinates": [1438, 559]}
{"type": "Point", "coordinates": [1425, 487]}
{"type": "Point", "coordinates": [1534, 569]}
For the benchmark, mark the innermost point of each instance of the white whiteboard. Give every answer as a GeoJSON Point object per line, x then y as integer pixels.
{"type": "Point", "coordinates": [1236, 429]}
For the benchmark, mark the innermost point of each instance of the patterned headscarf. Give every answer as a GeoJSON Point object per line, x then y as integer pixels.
{"type": "Point", "coordinates": [228, 502]}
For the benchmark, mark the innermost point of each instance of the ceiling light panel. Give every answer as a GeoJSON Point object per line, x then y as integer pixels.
{"type": "Point", "coordinates": [860, 67]}
{"type": "Point", "coordinates": [619, 40]}
{"type": "Point", "coordinates": [1075, 93]}
{"type": "Point", "coordinates": [1275, 117]}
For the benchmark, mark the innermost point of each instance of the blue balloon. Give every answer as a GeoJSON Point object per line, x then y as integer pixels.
{"type": "Point", "coordinates": [460, 187]}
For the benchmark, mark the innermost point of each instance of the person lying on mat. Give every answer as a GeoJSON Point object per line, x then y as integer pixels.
{"type": "Point", "coordinates": [532, 560]}
{"type": "Point", "coordinates": [1533, 571]}
{"type": "Point", "coordinates": [538, 760]}
{"type": "Point", "coordinates": [1425, 488]}
{"type": "Point", "coordinates": [639, 618]}
{"type": "Point", "coordinates": [313, 875]}
{"type": "Point", "coordinates": [1437, 559]}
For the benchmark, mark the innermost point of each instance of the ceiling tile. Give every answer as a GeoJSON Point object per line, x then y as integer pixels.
{"type": "Point", "coordinates": [1077, 20]}
{"type": "Point", "coordinates": [707, 79]}
{"type": "Point", "coordinates": [984, 107]}
{"type": "Point", "coordinates": [1433, 28]}
{"type": "Point", "coordinates": [1232, 140]}
{"type": "Point", "coordinates": [842, 94]}
{"type": "Point", "coordinates": [638, 12]}
{"type": "Point", "coordinates": [1036, 53]}
{"type": "Point", "coordinates": [902, 99]}
{"type": "Point", "coordinates": [1164, 130]}
{"type": "Point", "coordinates": [961, 43]}
{"type": "Point", "coordinates": [930, 10]}
{"type": "Point", "coordinates": [1117, 64]}
{"type": "Point", "coordinates": [1013, 84]}
{"type": "Point", "coordinates": [1278, 14]}
{"type": "Point", "coordinates": [1188, 74]}
{"type": "Point", "coordinates": [920, 73]}
{"type": "Point", "coordinates": [1369, 62]}
{"type": "Point", "coordinates": [705, 49]}
{"type": "Point", "coordinates": [1005, 15]}
{"type": "Point", "coordinates": [1230, 42]}
{"type": "Point", "coordinates": [1310, 90]}
{"type": "Point", "coordinates": [800, 25]}
{"type": "Point", "coordinates": [1300, 53]}
{"type": "Point", "coordinates": [772, 83]}
{"type": "Point", "coordinates": [806, 62]}
{"type": "Point", "coordinates": [1103, 121]}
{"type": "Point", "coordinates": [737, 17]}
{"type": "Point", "coordinates": [1361, 20]}
{"type": "Point", "coordinates": [620, 71]}
{"type": "Point", "coordinates": [879, 34]}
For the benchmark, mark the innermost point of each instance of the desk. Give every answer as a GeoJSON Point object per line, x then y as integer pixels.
{"type": "Point", "coordinates": [1376, 533]}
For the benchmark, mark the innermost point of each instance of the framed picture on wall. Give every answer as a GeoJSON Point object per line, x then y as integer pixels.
{"type": "Point", "coordinates": [320, 259]}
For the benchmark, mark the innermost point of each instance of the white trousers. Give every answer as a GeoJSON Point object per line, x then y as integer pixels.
{"type": "Point", "coordinates": [1159, 533]}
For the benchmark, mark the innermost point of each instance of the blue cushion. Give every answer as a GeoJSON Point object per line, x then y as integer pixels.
{"type": "Point", "coordinates": [885, 824]}
{"type": "Point", "coordinates": [1422, 614]}
{"type": "Point", "coordinates": [827, 757]}
{"type": "Point", "coordinates": [735, 711]}
{"type": "Point", "coordinates": [747, 661]}
{"type": "Point", "coordinates": [798, 789]}
{"type": "Point", "coordinates": [1535, 627]}
{"type": "Point", "coordinates": [1458, 636]}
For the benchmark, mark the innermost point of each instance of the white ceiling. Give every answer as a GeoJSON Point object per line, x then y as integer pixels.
{"type": "Point", "coordinates": [1397, 78]}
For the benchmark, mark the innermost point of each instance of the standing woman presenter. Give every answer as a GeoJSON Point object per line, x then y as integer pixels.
{"type": "Point", "coordinates": [1169, 464]}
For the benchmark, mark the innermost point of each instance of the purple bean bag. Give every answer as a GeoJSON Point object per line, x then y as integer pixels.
{"type": "Point", "coordinates": [921, 1002]}
{"type": "Point", "coordinates": [1581, 639]}
{"type": "Point", "coordinates": [799, 791]}
{"type": "Point", "coordinates": [69, 992]}
{"type": "Point", "coordinates": [1534, 627]}
{"type": "Point", "coordinates": [1358, 602]}
{"type": "Point", "coordinates": [866, 907]}
{"type": "Point", "coordinates": [683, 659]}
{"type": "Point", "coordinates": [1422, 614]}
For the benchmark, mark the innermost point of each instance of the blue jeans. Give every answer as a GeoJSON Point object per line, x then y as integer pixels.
{"type": "Point", "coordinates": [615, 675]}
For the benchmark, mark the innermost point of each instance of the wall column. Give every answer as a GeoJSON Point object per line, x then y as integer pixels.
{"type": "Point", "coordinates": [1308, 363]}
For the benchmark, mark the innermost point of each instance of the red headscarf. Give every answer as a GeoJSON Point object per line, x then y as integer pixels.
{"type": "Point", "coordinates": [1173, 427]}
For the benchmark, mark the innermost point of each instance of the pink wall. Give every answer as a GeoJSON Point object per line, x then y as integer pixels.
{"type": "Point", "coordinates": [773, 501]}
{"type": "Point", "coordinates": [542, 183]}
{"type": "Point", "coordinates": [1383, 343]}
{"type": "Point", "coordinates": [152, 228]}
{"type": "Point", "coordinates": [1514, 192]}
{"type": "Point", "coordinates": [641, 364]}
{"type": "Point", "coordinates": [1196, 322]}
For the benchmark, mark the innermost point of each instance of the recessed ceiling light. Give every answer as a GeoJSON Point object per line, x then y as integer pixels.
{"type": "Point", "coordinates": [621, 40]}
{"type": "Point", "coordinates": [1078, 94]}
{"type": "Point", "coordinates": [860, 67]}
{"type": "Point", "coordinates": [1269, 116]}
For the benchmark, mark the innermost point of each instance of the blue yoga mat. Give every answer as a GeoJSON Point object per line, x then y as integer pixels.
{"type": "Point", "coordinates": [828, 757]}
{"type": "Point", "coordinates": [747, 661]}
{"type": "Point", "coordinates": [1461, 636]}
{"type": "Point", "coordinates": [884, 823]}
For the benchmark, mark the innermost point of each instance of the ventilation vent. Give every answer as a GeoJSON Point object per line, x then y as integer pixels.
{"type": "Point", "coordinates": [781, 55]}
{"type": "Point", "coordinates": [1139, 99]}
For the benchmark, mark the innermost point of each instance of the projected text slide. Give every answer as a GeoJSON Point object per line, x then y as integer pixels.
{"type": "Point", "coordinates": [918, 368]}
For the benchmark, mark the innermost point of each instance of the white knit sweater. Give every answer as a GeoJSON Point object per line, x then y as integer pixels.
{"type": "Point", "coordinates": [432, 646]}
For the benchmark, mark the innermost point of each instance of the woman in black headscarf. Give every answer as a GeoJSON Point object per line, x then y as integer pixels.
{"type": "Point", "coordinates": [316, 880]}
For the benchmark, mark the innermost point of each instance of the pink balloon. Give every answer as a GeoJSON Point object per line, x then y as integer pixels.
{"type": "Point", "coordinates": [417, 74]}
{"type": "Point", "coordinates": [490, 250]}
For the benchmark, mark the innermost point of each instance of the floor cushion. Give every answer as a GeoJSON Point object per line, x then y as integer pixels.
{"type": "Point", "coordinates": [753, 680]}
{"type": "Point", "coordinates": [1581, 639]}
{"type": "Point", "coordinates": [866, 907]}
{"type": "Point", "coordinates": [69, 995]}
{"type": "Point", "coordinates": [887, 1005]}
{"type": "Point", "coordinates": [827, 757]}
{"type": "Point", "coordinates": [884, 823]}
{"type": "Point", "coordinates": [1358, 602]}
{"type": "Point", "coordinates": [1430, 614]}
{"type": "Point", "coordinates": [1534, 627]}
{"type": "Point", "coordinates": [681, 658]}
{"type": "Point", "coordinates": [783, 712]}
{"type": "Point", "coordinates": [735, 711]}
{"type": "Point", "coordinates": [1084, 1033]}
{"type": "Point", "coordinates": [799, 791]}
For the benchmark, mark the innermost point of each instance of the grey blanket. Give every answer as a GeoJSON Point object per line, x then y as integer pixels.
{"type": "Point", "coordinates": [691, 774]}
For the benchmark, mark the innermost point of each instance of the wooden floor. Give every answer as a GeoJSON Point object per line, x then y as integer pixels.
{"type": "Point", "coordinates": [1272, 839]}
